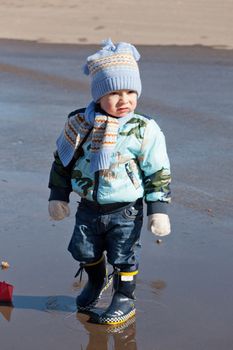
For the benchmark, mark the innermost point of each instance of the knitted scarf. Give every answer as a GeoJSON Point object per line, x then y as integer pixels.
{"type": "Point", "coordinates": [104, 136]}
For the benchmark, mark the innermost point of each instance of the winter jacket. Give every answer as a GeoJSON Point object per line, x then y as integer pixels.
{"type": "Point", "coordinates": [139, 168]}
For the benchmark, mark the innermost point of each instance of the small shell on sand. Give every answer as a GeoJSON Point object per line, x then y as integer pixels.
{"type": "Point", "coordinates": [5, 265]}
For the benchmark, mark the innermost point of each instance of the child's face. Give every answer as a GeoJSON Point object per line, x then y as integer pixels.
{"type": "Point", "coordinates": [119, 103]}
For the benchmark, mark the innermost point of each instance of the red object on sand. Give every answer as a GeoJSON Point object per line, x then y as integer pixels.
{"type": "Point", "coordinates": [6, 292]}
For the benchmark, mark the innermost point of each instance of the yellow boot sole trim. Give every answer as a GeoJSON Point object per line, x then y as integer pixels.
{"type": "Point", "coordinates": [118, 320]}
{"type": "Point", "coordinates": [116, 328]}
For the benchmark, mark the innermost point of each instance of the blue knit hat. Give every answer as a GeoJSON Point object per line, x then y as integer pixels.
{"type": "Point", "coordinates": [113, 68]}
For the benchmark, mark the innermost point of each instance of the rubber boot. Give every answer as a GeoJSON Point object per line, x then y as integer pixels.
{"type": "Point", "coordinates": [94, 287]}
{"type": "Point", "coordinates": [122, 306]}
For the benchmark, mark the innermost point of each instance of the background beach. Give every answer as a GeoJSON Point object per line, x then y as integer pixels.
{"type": "Point", "coordinates": [185, 286]}
{"type": "Point", "coordinates": [150, 22]}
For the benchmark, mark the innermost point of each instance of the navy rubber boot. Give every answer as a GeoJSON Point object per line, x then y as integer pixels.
{"type": "Point", "coordinates": [122, 306]}
{"type": "Point", "coordinates": [94, 287]}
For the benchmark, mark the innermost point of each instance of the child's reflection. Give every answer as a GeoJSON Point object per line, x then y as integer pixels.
{"type": "Point", "coordinates": [123, 335]}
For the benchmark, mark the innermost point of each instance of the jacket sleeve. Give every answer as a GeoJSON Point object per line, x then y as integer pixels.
{"type": "Point", "coordinates": [60, 180]}
{"type": "Point", "coordinates": [155, 165]}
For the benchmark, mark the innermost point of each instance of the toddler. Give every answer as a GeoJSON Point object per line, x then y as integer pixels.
{"type": "Point", "coordinates": [113, 158]}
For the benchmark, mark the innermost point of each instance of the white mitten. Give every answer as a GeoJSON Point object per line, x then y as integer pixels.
{"type": "Point", "coordinates": [159, 224]}
{"type": "Point", "coordinates": [58, 210]}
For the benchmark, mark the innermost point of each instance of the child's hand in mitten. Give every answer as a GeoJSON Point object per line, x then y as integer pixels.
{"type": "Point", "coordinates": [58, 210]}
{"type": "Point", "coordinates": [159, 224]}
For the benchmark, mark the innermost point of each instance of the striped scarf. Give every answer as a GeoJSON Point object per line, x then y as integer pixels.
{"type": "Point", "coordinates": [104, 136]}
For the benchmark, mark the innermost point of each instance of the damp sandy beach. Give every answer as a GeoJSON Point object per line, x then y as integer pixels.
{"type": "Point", "coordinates": [185, 285]}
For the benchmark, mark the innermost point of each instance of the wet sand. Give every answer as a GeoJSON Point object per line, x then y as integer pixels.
{"type": "Point", "coordinates": [185, 286]}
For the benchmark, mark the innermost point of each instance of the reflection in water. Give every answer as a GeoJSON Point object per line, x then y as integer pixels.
{"type": "Point", "coordinates": [123, 335]}
{"type": "Point", "coordinates": [6, 311]}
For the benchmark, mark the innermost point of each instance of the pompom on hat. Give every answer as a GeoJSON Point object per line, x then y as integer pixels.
{"type": "Point", "coordinates": [113, 68]}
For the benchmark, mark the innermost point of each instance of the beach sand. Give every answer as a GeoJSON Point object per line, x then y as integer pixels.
{"type": "Point", "coordinates": [160, 22]}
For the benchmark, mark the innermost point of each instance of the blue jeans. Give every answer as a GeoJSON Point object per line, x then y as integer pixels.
{"type": "Point", "coordinates": [114, 228]}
